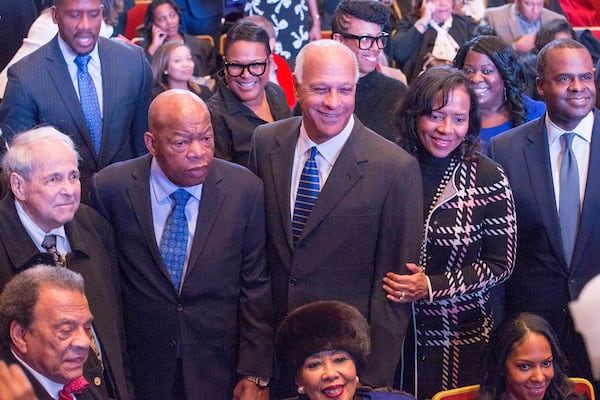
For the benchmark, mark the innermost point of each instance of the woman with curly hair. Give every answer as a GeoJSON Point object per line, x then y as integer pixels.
{"type": "Point", "coordinates": [499, 81]}
{"type": "Point", "coordinates": [469, 236]}
{"type": "Point", "coordinates": [524, 362]}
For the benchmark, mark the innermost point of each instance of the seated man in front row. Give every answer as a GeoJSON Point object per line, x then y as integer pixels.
{"type": "Point", "coordinates": [45, 326]}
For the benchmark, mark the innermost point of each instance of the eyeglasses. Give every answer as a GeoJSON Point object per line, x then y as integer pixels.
{"type": "Point", "coordinates": [255, 69]}
{"type": "Point", "coordinates": [365, 42]}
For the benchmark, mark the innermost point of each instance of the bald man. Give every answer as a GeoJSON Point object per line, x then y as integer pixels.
{"type": "Point", "coordinates": [197, 305]}
{"type": "Point", "coordinates": [365, 220]}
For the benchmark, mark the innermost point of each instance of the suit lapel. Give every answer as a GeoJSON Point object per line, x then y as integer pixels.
{"type": "Point", "coordinates": [591, 200]}
{"type": "Point", "coordinates": [283, 155]}
{"type": "Point", "coordinates": [59, 73]}
{"type": "Point", "coordinates": [343, 177]}
{"type": "Point", "coordinates": [210, 203]}
{"type": "Point", "coordinates": [537, 159]}
{"type": "Point", "coordinates": [513, 23]}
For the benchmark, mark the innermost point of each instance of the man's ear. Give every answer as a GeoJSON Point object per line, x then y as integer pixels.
{"type": "Point", "coordinates": [149, 140]}
{"type": "Point", "coordinates": [17, 337]}
{"type": "Point", "coordinates": [539, 83]}
{"type": "Point", "coordinates": [17, 186]}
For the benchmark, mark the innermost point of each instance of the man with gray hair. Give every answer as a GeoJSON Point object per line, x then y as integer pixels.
{"type": "Point", "coordinates": [45, 326]}
{"type": "Point", "coordinates": [350, 210]}
{"type": "Point", "coordinates": [42, 221]}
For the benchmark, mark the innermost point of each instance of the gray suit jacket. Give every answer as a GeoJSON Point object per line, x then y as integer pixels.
{"type": "Point", "coordinates": [367, 221]}
{"type": "Point", "coordinates": [542, 281]}
{"type": "Point", "coordinates": [505, 20]}
{"type": "Point", "coordinates": [40, 92]}
{"type": "Point", "coordinates": [221, 321]}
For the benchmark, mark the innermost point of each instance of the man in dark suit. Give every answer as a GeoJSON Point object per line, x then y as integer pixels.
{"type": "Point", "coordinates": [45, 89]}
{"type": "Point", "coordinates": [556, 253]}
{"type": "Point", "coordinates": [45, 326]}
{"type": "Point", "coordinates": [367, 217]}
{"type": "Point", "coordinates": [41, 168]}
{"type": "Point", "coordinates": [198, 327]}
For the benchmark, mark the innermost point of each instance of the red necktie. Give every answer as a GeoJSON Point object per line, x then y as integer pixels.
{"type": "Point", "coordinates": [73, 387]}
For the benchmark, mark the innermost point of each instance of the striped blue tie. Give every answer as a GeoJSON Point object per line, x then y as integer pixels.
{"type": "Point", "coordinates": [89, 100]}
{"type": "Point", "coordinates": [308, 191]}
{"type": "Point", "coordinates": [174, 240]}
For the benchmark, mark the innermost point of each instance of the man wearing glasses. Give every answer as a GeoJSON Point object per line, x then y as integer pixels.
{"type": "Point", "coordinates": [357, 24]}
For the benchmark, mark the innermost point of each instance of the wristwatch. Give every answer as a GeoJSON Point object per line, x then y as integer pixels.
{"type": "Point", "coordinates": [259, 381]}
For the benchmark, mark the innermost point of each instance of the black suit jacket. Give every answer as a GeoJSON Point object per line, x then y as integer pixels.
{"type": "Point", "coordinates": [222, 319]}
{"type": "Point", "coordinates": [40, 92]}
{"type": "Point", "coordinates": [90, 393]}
{"type": "Point", "coordinates": [542, 281]}
{"type": "Point", "coordinates": [367, 221]}
{"type": "Point", "coordinates": [93, 256]}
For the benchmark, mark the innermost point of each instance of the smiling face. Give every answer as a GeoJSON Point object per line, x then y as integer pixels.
{"type": "Point", "coordinates": [79, 23]}
{"type": "Point", "coordinates": [443, 10]}
{"type": "Point", "coordinates": [487, 82]}
{"type": "Point", "coordinates": [58, 340]}
{"type": "Point", "coordinates": [246, 87]}
{"type": "Point", "coordinates": [367, 59]}
{"type": "Point", "coordinates": [328, 375]}
{"type": "Point", "coordinates": [443, 131]}
{"type": "Point", "coordinates": [529, 368]}
{"type": "Point", "coordinates": [180, 67]}
{"type": "Point", "coordinates": [51, 196]}
{"type": "Point", "coordinates": [166, 18]}
{"type": "Point", "coordinates": [567, 85]}
{"type": "Point", "coordinates": [181, 137]}
{"type": "Point", "coordinates": [326, 94]}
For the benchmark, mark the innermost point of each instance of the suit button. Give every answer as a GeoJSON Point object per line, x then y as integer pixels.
{"type": "Point", "coordinates": [179, 307]}
{"type": "Point", "coordinates": [293, 282]}
{"type": "Point", "coordinates": [572, 281]}
{"type": "Point", "coordinates": [173, 343]}
{"type": "Point", "coordinates": [423, 357]}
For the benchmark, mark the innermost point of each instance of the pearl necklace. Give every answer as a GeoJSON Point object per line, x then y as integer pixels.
{"type": "Point", "coordinates": [438, 193]}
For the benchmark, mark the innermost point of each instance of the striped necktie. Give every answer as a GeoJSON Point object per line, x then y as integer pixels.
{"type": "Point", "coordinates": [308, 191]}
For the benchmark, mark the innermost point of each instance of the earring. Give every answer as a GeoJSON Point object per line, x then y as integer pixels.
{"type": "Point", "coordinates": [301, 389]}
{"type": "Point", "coordinates": [505, 98]}
{"type": "Point", "coordinates": [357, 379]}
{"type": "Point", "coordinates": [166, 73]}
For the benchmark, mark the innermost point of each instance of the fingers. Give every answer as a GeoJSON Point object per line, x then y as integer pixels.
{"type": "Point", "coordinates": [14, 385]}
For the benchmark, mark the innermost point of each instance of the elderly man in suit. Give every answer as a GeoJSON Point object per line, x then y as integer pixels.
{"type": "Point", "coordinates": [45, 326]}
{"type": "Point", "coordinates": [41, 221]}
{"type": "Point", "coordinates": [517, 23]}
{"type": "Point", "coordinates": [341, 204]}
{"type": "Point", "coordinates": [197, 305]}
{"type": "Point", "coordinates": [94, 89]}
{"type": "Point", "coordinates": [551, 163]}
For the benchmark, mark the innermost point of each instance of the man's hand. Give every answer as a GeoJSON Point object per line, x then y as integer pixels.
{"type": "Point", "coordinates": [246, 390]}
{"type": "Point", "coordinates": [525, 43]}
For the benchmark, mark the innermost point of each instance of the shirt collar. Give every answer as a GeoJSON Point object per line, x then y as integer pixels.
{"type": "Point", "coordinates": [329, 149]}
{"type": "Point", "coordinates": [583, 129]}
{"type": "Point", "coordinates": [35, 232]}
{"type": "Point", "coordinates": [163, 187]}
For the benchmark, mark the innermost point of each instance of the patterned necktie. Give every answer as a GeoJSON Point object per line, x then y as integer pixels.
{"type": "Point", "coordinates": [568, 208]}
{"type": "Point", "coordinates": [73, 387]}
{"type": "Point", "coordinates": [173, 243]}
{"type": "Point", "coordinates": [308, 191]}
{"type": "Point", "coordinates": [49, 243]}
{"type": "Point", "coordinates": [89, 100]}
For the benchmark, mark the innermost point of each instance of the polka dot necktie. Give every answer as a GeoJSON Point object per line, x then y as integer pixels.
{"type": "Point", "coordinates": [89, 100]}
{"type": "Point", "coordinates": [308, 191]}
{"type": "Point", "coordinates": [74, 387]}
{"type": "Point", "coordinates": [173, 243]}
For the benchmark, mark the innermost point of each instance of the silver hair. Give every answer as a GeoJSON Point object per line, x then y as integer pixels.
{"type": "Point", "coordinates": [322, 44]}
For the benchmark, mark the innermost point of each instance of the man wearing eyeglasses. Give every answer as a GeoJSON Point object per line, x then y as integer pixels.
{"type": "Point", "coordinates": [358, 24]}
{"type": "Point", "coordinates": [342, 203]}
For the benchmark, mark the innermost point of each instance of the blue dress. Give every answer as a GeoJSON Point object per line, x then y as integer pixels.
{"type": "Point", "coordinates": [535, 109]}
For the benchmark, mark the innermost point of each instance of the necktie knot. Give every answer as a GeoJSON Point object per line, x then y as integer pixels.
{"type": "Point", "coordinates": [181, 197]}
{"type": "Point", "coordinates": [74, 387]}
{"type": "Point", "coordinates": [49, 243]}
{"type": "Point", "coordinates": [568, 138]}
{"type": "Point", "coordinates": [82, 61]}
{"type": "Point", "coordinates": [313, 153]}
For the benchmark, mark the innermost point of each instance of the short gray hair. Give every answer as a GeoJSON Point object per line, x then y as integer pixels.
{"type": "Point", "coordinates": [322, 44]}
{"type": "Point", "coordinates": [21, 294]}
{"type": "Point", "coordinates": [19, 158]}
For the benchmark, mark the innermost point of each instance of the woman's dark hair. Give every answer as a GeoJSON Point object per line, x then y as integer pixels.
{"type": "Point", "coordinates": [434, 84]}
{"type": "Point", "coordinates": [149, 17]}
{"type": "Point", "coordinates": [548, 30]}
{"type": "Point", "coordinates": [509, 67]}
{"type": "Point", "coordinates": [504, 338]}
{"type": "Point", "coordinates": [248, 32]}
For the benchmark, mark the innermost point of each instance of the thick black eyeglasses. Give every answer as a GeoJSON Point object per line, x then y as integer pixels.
{"type": "Point", "coordinates": [365, 42]}
{"type": "Point", "coordinates": [255, 69]}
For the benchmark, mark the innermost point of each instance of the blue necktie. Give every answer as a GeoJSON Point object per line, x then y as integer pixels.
{"type": "Point", "coordinates": [173, 243]}
{"type": "Point", "coordinates": [308, 191]}
{"type": "Point", "coordinates": [89, 100]}
{"type": "Point", "coordinates": [568, 202]}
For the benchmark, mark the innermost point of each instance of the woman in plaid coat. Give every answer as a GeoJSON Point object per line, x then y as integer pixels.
{"type": "Point", "coordinates": [469, 236]}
